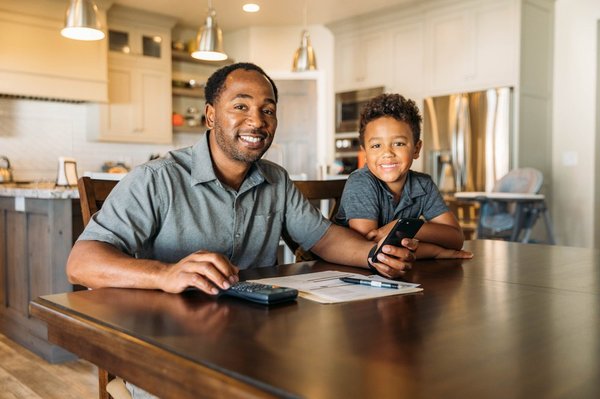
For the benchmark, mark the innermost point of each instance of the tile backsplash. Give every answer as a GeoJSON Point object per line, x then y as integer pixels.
{"type": "Point", "coordinates": [33, 134]}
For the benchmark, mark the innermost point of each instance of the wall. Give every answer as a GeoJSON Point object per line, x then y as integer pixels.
{"type": "Point", "coordinates": [33, 134]}
{"type": "Point", "coordinates": [575, 149]}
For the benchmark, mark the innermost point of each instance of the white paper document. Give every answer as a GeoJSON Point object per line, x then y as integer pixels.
{"type": "Point", "coordinates": [326, 287]}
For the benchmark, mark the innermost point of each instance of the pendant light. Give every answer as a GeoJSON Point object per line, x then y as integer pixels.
{"type": "Point", "coordinates": [209, 41]}
{"type": "Point", "coordinates": [304, 58]}
{"type": "Point", "coordinates": [82, 22]}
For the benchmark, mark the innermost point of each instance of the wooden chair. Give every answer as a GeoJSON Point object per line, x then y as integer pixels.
{"type": "Point", "coordinates": [317, 190]}
{"type": "Point", "coordinates": [92, 194]}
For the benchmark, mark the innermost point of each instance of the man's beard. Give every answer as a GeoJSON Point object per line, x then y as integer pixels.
{"type": "Point", "coordinates": [229, 146]}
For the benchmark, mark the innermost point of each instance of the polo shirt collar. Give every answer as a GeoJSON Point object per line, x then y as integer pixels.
{"type": "Point", "coordinates": [202, 170]}
{"type": "Point", "coordinates": [412, 189]}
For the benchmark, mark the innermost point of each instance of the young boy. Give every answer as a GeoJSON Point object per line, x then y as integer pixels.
{"type": "Point", "coordinates": [385, 189]}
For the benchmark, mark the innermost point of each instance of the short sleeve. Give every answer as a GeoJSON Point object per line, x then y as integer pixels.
{"type": "Point", "coordinates": [360, 200]}
{"type": "Point", "coordinates": [434, 204]}
{"type": "Point", "coordinates": [130, 216]}
{"type": "Point", "coordinates": [304, 223]}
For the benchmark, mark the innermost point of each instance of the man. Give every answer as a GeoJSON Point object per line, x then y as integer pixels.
{"type": "Point", "coordinates": [196, 217]}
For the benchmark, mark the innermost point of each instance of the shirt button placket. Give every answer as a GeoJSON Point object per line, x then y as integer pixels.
{"type": "Point", "coordinates": [237, 223]}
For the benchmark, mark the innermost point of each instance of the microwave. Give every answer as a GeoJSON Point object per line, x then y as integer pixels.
{"type": "Point", "coordinates": [348, 106]}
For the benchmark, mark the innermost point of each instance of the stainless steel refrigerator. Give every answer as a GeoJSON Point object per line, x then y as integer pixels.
{"type": "Point", "coordinates": [467, 140]}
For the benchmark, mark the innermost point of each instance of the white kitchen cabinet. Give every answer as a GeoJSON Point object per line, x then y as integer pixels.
{"type": "Point", "coordinates": [451, 51]}
{"type": "Point", "coordinates": [430, 49]}
{"type": "Point", "coordinates": [408, 60]}
{"type": "Point", "coordinates": [139, 80]}
{"type": "Point", "coordinates": [35, 60]}
{"type": "Point", "coordinates": [359, 61]}
{"type": "Point", "coordinates": [471, 47]}
{"type": "Point", "coordinates": [139, 108]}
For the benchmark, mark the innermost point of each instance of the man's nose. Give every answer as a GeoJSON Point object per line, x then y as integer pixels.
{"type": "Point", "coordinates": [255, 118]}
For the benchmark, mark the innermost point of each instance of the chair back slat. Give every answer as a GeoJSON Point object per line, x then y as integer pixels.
{"type": "Point", "coordinates": [323, 190]}
{"type": "Point", "coordinates": [92, 194]}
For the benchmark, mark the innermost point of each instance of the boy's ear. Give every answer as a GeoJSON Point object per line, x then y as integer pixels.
{"type": "Point", "coordinates": [418, 149]}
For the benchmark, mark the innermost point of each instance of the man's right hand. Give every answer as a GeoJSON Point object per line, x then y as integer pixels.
{"type": "Point", "coordinates": [394, 261]}
{"type": "Point", "coordinates": [206, 271]}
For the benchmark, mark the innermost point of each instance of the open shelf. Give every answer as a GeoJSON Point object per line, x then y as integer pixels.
{"type": "Point", "coordinates": [189, 129]}
{"type": "Point", "coordinates": [194, 93]}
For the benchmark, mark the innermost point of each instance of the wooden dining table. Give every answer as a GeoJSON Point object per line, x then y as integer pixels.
{"type": "Point", "coordinates": [517, 320]}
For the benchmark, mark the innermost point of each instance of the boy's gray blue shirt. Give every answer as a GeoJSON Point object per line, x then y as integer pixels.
{"type": "Point", "coordinates": [169, 208]}
{"type": "Point", "coordinates": [367, 197]}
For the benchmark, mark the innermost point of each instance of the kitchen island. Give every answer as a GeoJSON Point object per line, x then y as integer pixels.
{"type": "Point", "coordinates": [38, 225]}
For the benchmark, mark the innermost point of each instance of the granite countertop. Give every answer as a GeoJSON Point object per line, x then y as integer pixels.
{"type": "Point", "coordinates": [42, 190]}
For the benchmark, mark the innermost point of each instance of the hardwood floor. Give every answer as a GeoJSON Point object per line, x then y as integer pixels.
{"type": "Point", "coordinates": [25, 375]}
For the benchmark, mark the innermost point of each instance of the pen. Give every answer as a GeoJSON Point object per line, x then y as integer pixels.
{"type": "Point", "coordinates": [371, 283]}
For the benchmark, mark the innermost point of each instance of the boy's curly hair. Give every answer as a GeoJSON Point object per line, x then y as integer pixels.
{"type": "Point", "coordinates": [392, 105]}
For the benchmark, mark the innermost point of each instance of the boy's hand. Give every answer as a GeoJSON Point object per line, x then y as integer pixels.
{"type": "Point", "coordinates": [382, 232]}
{"type": "Point", "coordinates": [453, 254]}
{"type": "Point", "coordinates": [394, 261]}
{"type": "Point", "coordinates": [428, 250]}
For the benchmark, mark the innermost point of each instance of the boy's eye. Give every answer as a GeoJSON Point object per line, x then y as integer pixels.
{"type": "Point", "coordinates": [399, 144]}
{"type": "Point", "coordinates": [240, 106]}
{"type": "Point", "coordinates": [375, 145]}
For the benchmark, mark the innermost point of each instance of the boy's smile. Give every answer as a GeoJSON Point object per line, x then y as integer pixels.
{"type": "Point", "coordinates": [390, 150]}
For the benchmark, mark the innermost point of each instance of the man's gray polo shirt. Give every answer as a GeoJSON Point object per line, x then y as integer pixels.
{"type": "Point", "coordinates": [169, 208]}
{"type": "Point", "coordinates": [367, 197]}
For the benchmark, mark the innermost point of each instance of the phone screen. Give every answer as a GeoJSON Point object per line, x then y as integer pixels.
{"type": "Point", "coordinates": [404, 228]}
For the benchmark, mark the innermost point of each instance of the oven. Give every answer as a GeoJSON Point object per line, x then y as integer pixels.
{"type": "Point", "coordinates": [348, 106]}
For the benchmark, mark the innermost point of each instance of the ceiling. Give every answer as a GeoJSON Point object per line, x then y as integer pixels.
{"type": "Point", "coordinates": [272, 12]}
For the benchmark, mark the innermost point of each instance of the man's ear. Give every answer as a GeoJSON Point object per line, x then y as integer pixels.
{"type": "Point", "coordinates": [209, 112]}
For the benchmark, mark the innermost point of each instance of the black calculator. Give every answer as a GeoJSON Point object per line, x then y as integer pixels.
{"type": "Point", "coordinates": [261, 293]}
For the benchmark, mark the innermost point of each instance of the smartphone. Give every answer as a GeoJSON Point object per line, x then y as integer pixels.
{"type": "Point", "coordinates": [404, 228]}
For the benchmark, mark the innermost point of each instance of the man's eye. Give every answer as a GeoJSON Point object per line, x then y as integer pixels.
{"type": "Point", "coordinates": [269, 112]}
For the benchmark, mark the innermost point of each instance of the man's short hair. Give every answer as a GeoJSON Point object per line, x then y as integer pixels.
{"type": "Point", "coordinates": [394, 106]}
{"type": "Point", "coordinates": [216, 82]}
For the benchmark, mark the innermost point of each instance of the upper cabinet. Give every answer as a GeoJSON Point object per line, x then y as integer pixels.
{"type": "Point", "coordinates": [471, 47]}
{"type": "Point", "coordinates": [359, 59]}
{"type": "Point", "coordinates": [139, 80]}
{"type": "Point", "coordinates": [37, 61]}
{"type": "Point", "coordinates": [429, 49]}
